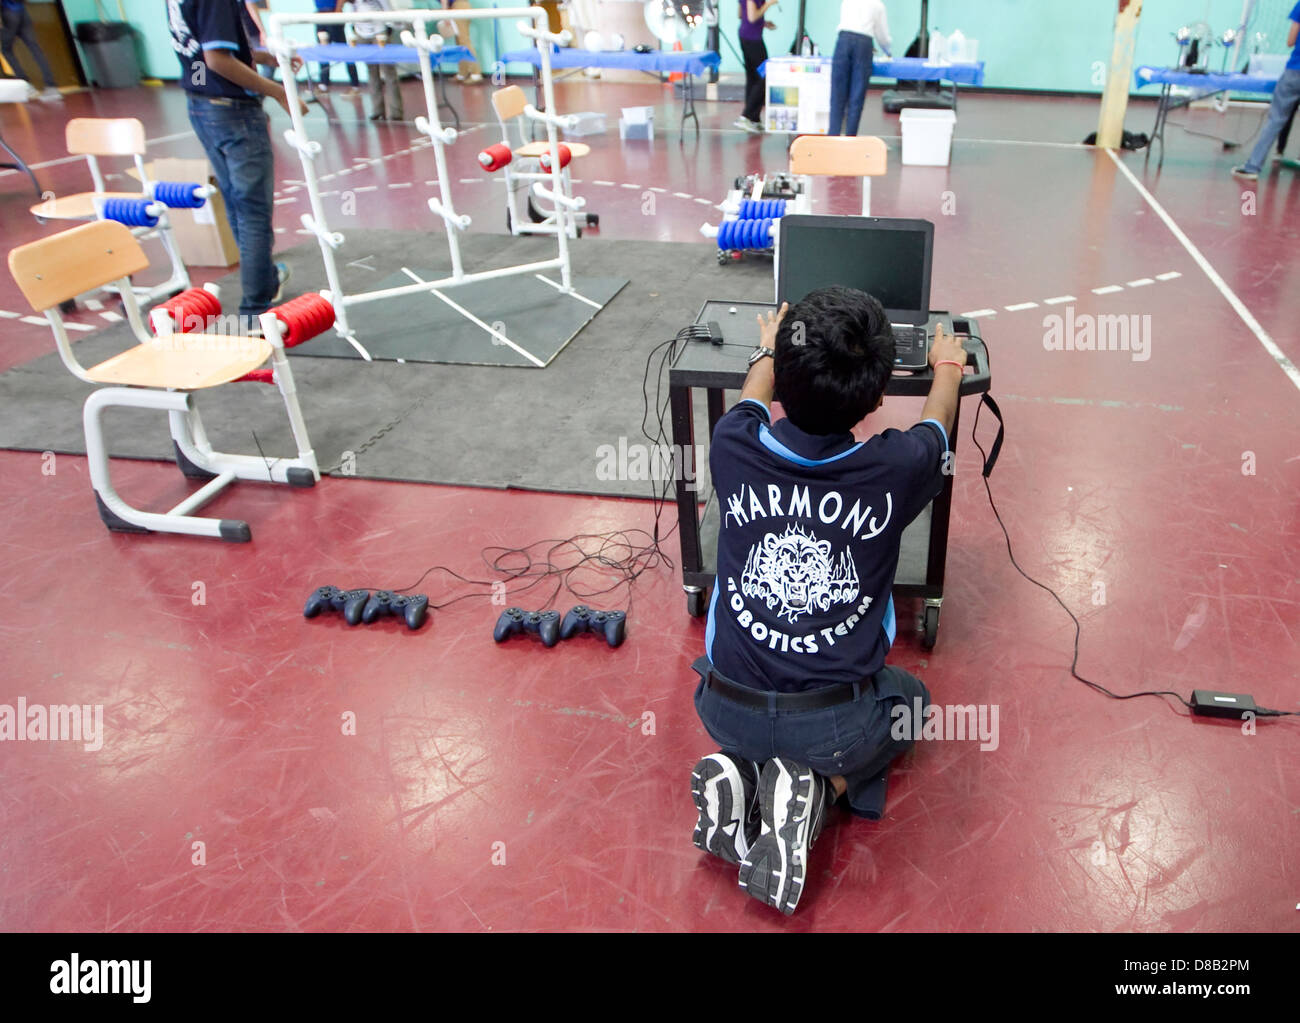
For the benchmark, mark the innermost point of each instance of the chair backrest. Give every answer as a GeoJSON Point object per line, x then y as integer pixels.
{"type": "Point", "coordinates": [850, 156]}
{"type": "Point", "coordinates": [102, 136]}
{"type": "Point", "coordinates": [509, 102]}
{"type": "Point", "coordinates": [63, 266]}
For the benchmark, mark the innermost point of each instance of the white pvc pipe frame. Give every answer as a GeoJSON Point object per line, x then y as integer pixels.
{"type": "Point", "coordinates": [283, 50]}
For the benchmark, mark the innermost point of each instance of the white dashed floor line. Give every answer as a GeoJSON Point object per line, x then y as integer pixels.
{"type": "Point", "coordinates": [1109, 289]}
{"type": "Point", "coordinates": [1059, 299]}
{"type": "Point", "coordinates": [1020, 307]}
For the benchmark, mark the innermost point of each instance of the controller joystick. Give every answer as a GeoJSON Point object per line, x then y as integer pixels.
{"type": "Point", "coordinates": [414, 607]}
{"type": "Point", "coordinates": [611, 624]}
{"type": "Point", "coordinates": [514, 620]}
{"type": "Point", "coordinates": [330, 598]}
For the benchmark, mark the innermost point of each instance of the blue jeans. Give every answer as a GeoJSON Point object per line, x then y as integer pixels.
{"type": "Point", "coordinates": [235, 136]}
{"type": "Point", "coordinates": [851, 739]}
{"type": "Point", "coordinates": [850, 75]}
{"type": "Point", "coordinates": [1286, 97]}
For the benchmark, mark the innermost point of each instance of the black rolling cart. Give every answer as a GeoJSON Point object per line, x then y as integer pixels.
{"type": "Point", "coordinates": [715, 369]}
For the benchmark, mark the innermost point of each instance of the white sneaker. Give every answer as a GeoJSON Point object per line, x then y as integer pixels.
{"type": "Point", "coordinates": [50, 95]}
{"type": "Point", "coordinates": [793, 800]}
{"type": "Point", "coordinates": [748, 125]}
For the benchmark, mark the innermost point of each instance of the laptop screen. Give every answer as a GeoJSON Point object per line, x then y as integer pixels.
{"type": "Point", "coordinates": [887, 258]}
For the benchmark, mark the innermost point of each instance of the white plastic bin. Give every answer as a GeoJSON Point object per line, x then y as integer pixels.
{"type": "Point", "coordinates": [637, 123]}
{"type": "Point", "coordinates": [927, 136]}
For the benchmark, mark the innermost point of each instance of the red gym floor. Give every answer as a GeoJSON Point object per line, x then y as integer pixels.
{"type": "Point", "coordinates": [514, 788]}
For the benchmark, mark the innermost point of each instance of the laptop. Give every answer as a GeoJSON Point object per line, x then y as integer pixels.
{"type": "Point", "coordinates": [888, 258]}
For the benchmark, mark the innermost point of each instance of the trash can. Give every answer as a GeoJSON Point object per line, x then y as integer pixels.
{"type": "Point", "coordinates": [108, 52]}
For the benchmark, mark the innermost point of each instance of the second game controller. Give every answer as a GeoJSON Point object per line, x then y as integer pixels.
{"type": "Point", "coordinates": [513, 620]}
{"type": "Point", "coordinates": [331, 598]}
{"type": "Point", "coordinates": [414, 607]}
{"type": "Point", "coordinates": [611, 624]}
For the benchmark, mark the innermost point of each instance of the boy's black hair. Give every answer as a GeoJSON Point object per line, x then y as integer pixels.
{"type": "Point", "coordinates": [834, 356]}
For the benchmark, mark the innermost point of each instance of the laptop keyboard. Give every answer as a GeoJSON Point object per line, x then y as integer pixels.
{"type": "Point", "coordinates": [909, 345]}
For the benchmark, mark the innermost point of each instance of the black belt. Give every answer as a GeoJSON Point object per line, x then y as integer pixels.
{"type": "Point", "coordinates": [759, 699]}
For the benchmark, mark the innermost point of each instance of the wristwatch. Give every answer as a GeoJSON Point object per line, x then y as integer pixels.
{"type": "Point", "coordinates": [761, 352]}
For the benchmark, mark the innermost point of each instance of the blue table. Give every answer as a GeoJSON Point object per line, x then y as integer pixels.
{"type": "Point", "coordinates": [914, 69]}
{"type": "Point", "coordinates": [342, 53]}
{"type": "Point", "coordinates": [656, 62]}
{"type": "Point", "coordinates": [1210, 83]}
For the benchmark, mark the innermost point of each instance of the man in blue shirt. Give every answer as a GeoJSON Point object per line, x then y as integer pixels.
{"type": "Point", "coordinates": [795, 687]}
{"type": "Point", "coordinates": [225, 108]}
{"type": "Point", "coordinates": [1286, 97]}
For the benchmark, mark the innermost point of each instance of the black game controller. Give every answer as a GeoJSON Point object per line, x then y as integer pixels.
{"type": "Point", "coordinates": [613, 624]}
{"type": "Point", "coordinates": [331, 598]}
{"type": "Point", "coordinates": [513, 619]}
{"type": "Point", "coordinates": [415, 607]}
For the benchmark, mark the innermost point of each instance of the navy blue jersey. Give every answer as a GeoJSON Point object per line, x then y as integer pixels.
{"type": "Point", "coordinates": [808, 546]}
{"type": "Point", "coordinates": [198, 25]}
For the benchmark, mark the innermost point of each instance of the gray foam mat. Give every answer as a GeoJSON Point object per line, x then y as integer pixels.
{"type": "Point", "coordinates": [462, 424]}
{"type": "Point", "coordinates": [530, 320]}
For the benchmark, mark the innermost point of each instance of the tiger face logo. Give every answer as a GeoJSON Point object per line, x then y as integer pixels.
{"type": "Point", "coordinates": [793, 574]}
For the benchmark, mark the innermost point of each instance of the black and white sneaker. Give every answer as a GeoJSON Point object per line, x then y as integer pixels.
{"type": "Point", "coordinates": [793, 800]}
{"type": "Point", "coordinates": [725, 790]}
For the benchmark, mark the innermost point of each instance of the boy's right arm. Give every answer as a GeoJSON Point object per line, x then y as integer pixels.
{"type": "Point", "coordinates": [941, 403]}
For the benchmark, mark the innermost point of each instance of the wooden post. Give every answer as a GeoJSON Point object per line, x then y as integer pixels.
{"type": "Point", "coordinates": [1114, 100]}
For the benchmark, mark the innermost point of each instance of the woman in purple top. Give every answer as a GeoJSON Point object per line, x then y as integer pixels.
{"type": "Point", "coordinates": [754, 52]}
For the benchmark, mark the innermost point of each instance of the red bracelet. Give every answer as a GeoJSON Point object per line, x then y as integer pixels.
{"type": "Point", "coordinates": [950, 362]}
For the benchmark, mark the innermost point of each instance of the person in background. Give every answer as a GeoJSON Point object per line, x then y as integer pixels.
{"type": "Point", "coordinates": [754, 51]}
{"type": "Point", "coordinates": [468, 70]}
{"type": "Point", "coordinates": [16, 23]}
{"type": "Point", "coordinates": [384, 79]}
{"type": "Point", "coordinates": [334, 34]}
{"type": "Point", "coordinates": [225, 106]}
{"type": "Point", "coordinates": [251, 15]}
{"type": "Point", "coordinates": [862, 24]}
{"type": "Point", "coordinates": [1286, 97]}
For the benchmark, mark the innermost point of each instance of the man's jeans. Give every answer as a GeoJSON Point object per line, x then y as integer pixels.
{"type": "Point", "coordinates": [235, 136]}
{"type": "Point", "coordinates": [850, 75]}
{"type": "Point", "coordinates": [854, 739]}
{"type": "Point", "coordinates": [1286, 97]}
{"type": "Point", "coordinates": [17, 24]}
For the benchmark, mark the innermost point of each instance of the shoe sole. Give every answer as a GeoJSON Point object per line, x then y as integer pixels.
{"type": "Point", "coordinates": [777, 864]}
{"type": "Point", "coordinates": [714, 787]}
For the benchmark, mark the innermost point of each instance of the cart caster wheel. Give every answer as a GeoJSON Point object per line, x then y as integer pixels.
{"type": "Point", "coordinates": [593, 220]}
{"type": "Point", "coordinates": [930, 628]}
{"type": "Point", "coordinates": [723, 258]}
{"type": "Point", "coordinates": [695, 603]}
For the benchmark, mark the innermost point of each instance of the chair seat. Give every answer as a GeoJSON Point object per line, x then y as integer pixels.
{"type": "Point", "coordinates": [77, 207]}
{"type": "Point", "coordinates": [536, 149]}
{"type": "Point", "coordinates": [183, 362]}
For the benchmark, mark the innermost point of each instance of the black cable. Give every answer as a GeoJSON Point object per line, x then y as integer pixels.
{"type": "Point", "coordinates": [1074, 663]}
{"type": "Point", "coordinates": [623, 553]}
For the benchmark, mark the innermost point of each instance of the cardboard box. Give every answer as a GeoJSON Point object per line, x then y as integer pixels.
{"type": "Point", "coordinates": [203, 235]}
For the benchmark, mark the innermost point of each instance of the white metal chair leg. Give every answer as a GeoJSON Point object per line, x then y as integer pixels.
{"type": "Point", "coordinates": [122, 517]}
{"type": "Point", "coordinates": [289, 393]}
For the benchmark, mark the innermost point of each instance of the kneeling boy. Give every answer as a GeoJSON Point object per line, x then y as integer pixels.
{"type": "Point", "coordinates": [794, 687]}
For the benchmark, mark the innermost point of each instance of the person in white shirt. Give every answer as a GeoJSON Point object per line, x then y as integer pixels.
{"type": "Point", "coordinates": [863, 23]}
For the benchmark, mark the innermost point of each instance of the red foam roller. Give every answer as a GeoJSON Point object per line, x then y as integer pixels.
{"type": "Point", "coordinates": [191, 310]}
{"type": "Point", "coordinates": [565, 156]}
{"type": "Point", "coordinates": [304, 317]}
{"type": "Point", "coordinates": [494, 157]}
